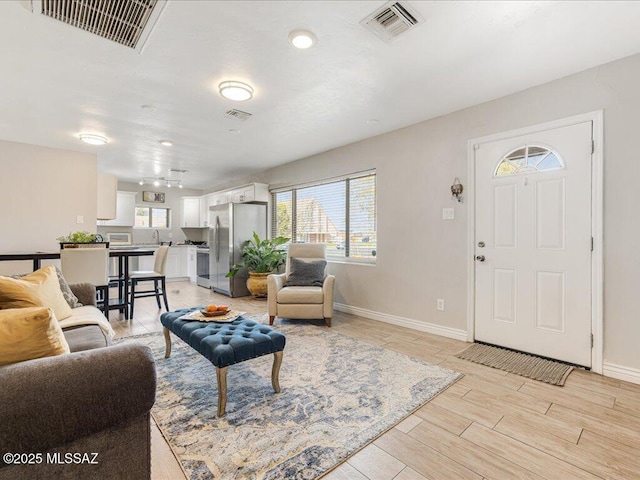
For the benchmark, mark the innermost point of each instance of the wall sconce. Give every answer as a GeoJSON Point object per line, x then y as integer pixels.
{"type": "Point", "coordinates": [456, 189]}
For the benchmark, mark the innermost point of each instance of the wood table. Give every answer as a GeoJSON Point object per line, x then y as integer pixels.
{"type": "Point", "coordinates": [123, 256]}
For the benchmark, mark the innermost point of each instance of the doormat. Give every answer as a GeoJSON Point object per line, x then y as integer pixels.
{"type": "Point", "coordinates": [338, 394]}
{"type": "Point", "coordinates": [529, 366]}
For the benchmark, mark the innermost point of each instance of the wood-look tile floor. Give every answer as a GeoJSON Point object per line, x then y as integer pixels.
{"type": "Point", "coordinates": [489, 425]}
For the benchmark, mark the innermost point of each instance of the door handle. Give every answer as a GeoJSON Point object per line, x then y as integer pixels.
{"type": "Point", "coordinates": [480, 258]}
{"type": "Point", "coordinates": [217, 239]}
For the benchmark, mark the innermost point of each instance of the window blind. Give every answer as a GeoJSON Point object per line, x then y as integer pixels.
{"type": "Point", "coordinates": [340, 213]}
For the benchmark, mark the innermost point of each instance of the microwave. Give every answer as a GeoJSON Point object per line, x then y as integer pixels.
{"type": "Point", "coordinates": [119, 238]}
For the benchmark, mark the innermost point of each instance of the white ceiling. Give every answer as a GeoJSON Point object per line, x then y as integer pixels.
{"type": "Point", "coordinates": [57, 81]}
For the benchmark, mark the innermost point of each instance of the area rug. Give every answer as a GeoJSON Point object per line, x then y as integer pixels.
{"type": "Point", "coordinates": [338, 394]}
{"type": "Point", "coordinates": [529, 366]}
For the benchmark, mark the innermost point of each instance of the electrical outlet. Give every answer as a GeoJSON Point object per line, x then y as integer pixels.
{"type": "Point", "coordinates": [440, 304]}
{"type": "Point", "coordinates": [448, 213]}
{"type": "Point", "coordinates": [79, 219]}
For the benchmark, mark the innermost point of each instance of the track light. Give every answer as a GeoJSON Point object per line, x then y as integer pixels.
{"type": "Point", "coordinates": [167, 182]}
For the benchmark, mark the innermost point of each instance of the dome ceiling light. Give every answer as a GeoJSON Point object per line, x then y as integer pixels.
{"type": "Point", "coordinates": [92, 139]}
{"type": "Point", "coordinates": [236, 91]}
{"type": "Point", "coordinates": [302, 39]}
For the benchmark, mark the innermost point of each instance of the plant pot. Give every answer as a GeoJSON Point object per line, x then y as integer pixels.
{"type": "Point", "coordinates": [257, 284]}
{"type": "Point", "coordinates": [64, 245]}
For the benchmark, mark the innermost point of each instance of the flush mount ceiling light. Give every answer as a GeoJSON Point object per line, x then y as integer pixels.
{"type": "Point", "coordinates": [302, 39]}
{"type": "Point", "coordinates": [166, 143]}
{"type": "Point", "coordinates": [237, 91]}
{"type": "Point", "coordinates": [92, 139]}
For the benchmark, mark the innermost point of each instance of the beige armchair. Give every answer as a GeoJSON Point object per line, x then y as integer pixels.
{"type": "Point", "coordinates": [301, 302]}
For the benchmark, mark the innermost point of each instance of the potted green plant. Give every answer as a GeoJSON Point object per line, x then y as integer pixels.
{"type": "Point", "coordinates": [260, 258]}
{"type": "Point", "coordinates": [81, 239]}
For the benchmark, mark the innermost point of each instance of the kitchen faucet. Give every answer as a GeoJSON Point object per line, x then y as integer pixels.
{"type": "Point", "coordinates": [156, 236]}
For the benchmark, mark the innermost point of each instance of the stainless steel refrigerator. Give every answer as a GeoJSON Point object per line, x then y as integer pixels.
{"type": "Point", "coordinates": [231, 226]}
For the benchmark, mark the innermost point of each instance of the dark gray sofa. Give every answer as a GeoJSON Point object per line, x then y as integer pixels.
{"type": "Point", "coordinates": [95, 400]}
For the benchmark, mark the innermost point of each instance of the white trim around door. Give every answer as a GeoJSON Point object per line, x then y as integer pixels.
{"type": "Point", "coordinates": [596, 224]}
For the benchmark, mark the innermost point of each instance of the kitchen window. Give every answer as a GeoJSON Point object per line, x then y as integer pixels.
{"type": "Point", "coordinates": [153, 217]}
{"type": "Point", "coordinates": [338, 212]}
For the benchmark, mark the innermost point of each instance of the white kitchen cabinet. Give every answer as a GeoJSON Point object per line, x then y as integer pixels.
{"type": "Point", "coordinates": [195, 210]}
{"type": "Point", "coordinates": [223, 197]}
{"type": "Point", "coordinates": [190, 212]}
{"type": "Point", "coordinates": [207, 201]}
{"type": "Point", "coordinates": [125, 211]}
{"type": "Point", "coordinates": [192, 263]}
{"type": "Point", "coordinates": [254, 192]}
{"type": "Point", "coordinates": [107, 197]}
{"type": "Point", "coordinates": [176, 266]}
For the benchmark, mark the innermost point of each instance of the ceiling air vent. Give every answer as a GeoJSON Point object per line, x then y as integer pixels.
{"type": "Point", "coordinates": [392, 20]}
{"type": "Point", "coordinates": [237, 114]}
{"type": "Point", "coordinates": [177, 170]}
{"type": "Point", "coordinates": [127, 22]}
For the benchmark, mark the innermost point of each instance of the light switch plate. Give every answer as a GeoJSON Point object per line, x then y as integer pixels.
{"type": "Point", "coordinates": [79, 219]}
{"type": "Point", "coordinates": [448, 213]}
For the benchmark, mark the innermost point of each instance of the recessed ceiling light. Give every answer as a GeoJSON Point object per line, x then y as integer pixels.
{"type": "Point", "coordinates": [166, 143]}
{"type": "Point", "coordinates": [92, 139]}
{"type": "Point", "coordinates": [150, 108]}
{"type": "Point", "coordinates": [141, 182]}
{"type": "Point", "coordinates": [302, 39]}
{"type": "Point", "coordinates": [237, 91]}
{"type": "Point", "coordinates": [156, 183]}
{"type": "Point", "coordinates": [233, 130]}
{"type": "Point", "coordinates": [372, 121]}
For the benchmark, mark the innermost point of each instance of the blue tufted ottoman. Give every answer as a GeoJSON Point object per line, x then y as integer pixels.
{"type": "Point", "coordinates": [225, 344]}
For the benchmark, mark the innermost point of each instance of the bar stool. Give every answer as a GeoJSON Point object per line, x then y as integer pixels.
{"type": "Point", "coordinates": [88, 265]}
{"type": "Point", "coordinates": [156, 276]}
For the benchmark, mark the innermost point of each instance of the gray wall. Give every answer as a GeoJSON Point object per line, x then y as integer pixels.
{"type": "Point", "coordinates": [42, 192]}
{"type": "Point", "coordinates": [422, 258]}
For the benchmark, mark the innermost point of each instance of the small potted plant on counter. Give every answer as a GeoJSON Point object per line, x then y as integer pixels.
{"type": "Point", "coordinates": [82, 239]}
{"type": "Point", "coordinates": [260, 258]}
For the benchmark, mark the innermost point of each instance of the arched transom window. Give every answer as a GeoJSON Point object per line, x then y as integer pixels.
{"type": "Point", "coordinates": [528, 159]}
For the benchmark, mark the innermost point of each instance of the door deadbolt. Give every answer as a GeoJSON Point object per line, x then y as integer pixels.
{"type": "Point", "coordinates": [480, 258]}
{"type": "Point", "coordinates": [481, 244]}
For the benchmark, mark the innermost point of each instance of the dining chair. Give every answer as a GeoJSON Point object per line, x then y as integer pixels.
{"type": "Point", "coordinates": [88, 265]}
{"type": "Point", "coordinates": [157, 276]}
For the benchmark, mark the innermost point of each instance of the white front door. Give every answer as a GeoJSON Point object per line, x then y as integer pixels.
{"type": "Point", "coordinates": [533, 243]}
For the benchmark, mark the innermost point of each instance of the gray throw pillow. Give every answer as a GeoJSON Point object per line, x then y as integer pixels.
{"type": "Point", "coordinates": [68, 295]}
{"type": "Point", "coordinates": [305, 273]}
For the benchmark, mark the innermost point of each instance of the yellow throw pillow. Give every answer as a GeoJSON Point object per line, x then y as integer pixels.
{"type": "Point", "coordinates": [38, 289]}
{"type": "Point", "coordinates": [28, 333]}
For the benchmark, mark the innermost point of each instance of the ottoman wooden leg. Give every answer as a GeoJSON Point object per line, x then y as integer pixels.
{"type": "Point", "coordinates": [167, 342]}
{"type": "Point", "coordinates": [221, 373]}
{"type": "Point", "coordinates": [275, 371]}
{"type": "Point", "coordinates": [271, 319]}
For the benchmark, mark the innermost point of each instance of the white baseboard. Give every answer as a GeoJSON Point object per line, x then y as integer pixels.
{"type": "Point", "coordinates": [627, 374]}
{"type": "Point", "coordinates": [404, 322]}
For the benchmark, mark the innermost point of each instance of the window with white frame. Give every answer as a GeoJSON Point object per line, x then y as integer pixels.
{"type": "Point", "coordinates": [153, 217]}
{"type": "Point", "coordinates": [340, 213]}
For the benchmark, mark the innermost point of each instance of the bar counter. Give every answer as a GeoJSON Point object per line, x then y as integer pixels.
{"type": "Point", "coordinates": [122, 303]}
